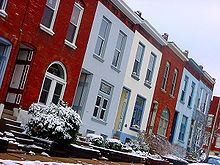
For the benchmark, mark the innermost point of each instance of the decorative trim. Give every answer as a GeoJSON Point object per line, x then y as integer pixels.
{"type": "Point", "coordinates": [147, 85]}
{"type": "Point", "coordinates": [135, 77]}
{"type": "Point", "coordinates": [98, 58]}
{"type": "Point", "coordinates": [47, 30]}
{"type": "Point", "coordinates": [3, 13]}
{"type": "Point", "coordinates": [71, 45]}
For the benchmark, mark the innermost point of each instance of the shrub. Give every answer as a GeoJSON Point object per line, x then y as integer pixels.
{"type": "Point", "coordinates": [59, 123]}
{"type": "Point", "coordinates": [96, 140]}
{"type": "Point", "coordinates": [114, 144]}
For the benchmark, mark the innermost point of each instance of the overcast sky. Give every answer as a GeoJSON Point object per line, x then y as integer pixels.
{"type": "Point", "coordinates": [193, 25]}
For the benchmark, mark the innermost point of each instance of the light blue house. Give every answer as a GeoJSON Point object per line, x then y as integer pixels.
{"type": "Point", "coordinates": [101, 82]}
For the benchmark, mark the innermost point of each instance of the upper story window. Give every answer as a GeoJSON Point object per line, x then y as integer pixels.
{"type": "Point", "coordinates": [209, 120]}
{"type": "Point", "coordinates": [198, 134]}
{"type": "Point", "coordinates": [49, 16]}
{"type": "Point", "coordinates": [205, 103]}
{"type": "Point", "coordinates": [217, 143]}
{"type": "Point", "coordinates": [137, 114]}
{"type": "Point", "coordinates": [183, 93]}
{"type": "Point", "coordinates": [191, 94]}
{"type": "Point", "coordinates": [150, 69]}
{"type": "Point", "coordinates": [173, 82]}
{"type": "Point", "coordinates": [200, 99]}
{"type": "Point", "coordinates": [164, 120]}
{"type": "Point", "coordinates": [3, 4]}
{"type": "Point", "coordinates": [165, 76]}
{"type": "Point", "coordinates": [74, 25]}
{"type": "Point", "coordinates": [183, 128]}
{"type": "Point", "coordinates": [119, 50]}
{"type": "Point", "coordinates": [102, 101]}
{"type": "Point", "coordinates": [138, 59]}
{"type": "Point", "coordinates": [102, 37]}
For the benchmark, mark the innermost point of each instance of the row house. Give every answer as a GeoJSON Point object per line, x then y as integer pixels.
{"type": "Point", "coordinates": [103, 70]}
{"type": "Point", "coordinates": [166, 90]}
{"type": "Point", "coordinates": [200, 110]}
{"type": "Point", "coordinates": [213, 128]}
{"type": "Point", "coordinates": [42, 46]}
{"type": "Point", "coordinates": [139, 82]}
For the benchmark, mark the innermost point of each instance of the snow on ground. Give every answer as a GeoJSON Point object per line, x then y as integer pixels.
{"type": "Point", "coordinates": [13, 162]}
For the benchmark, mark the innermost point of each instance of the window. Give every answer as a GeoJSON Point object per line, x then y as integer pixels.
{"type": "Point", "coordinates": [182, 128]}
{"type": "Point", "coordinates": [206, 138]}
{"type": "Point", "coordinates": [173, 82]}
{"type": "Point", "coordinates": [138, 59]}
{"type": "Point", "coordinates": [184, 89]}
{"type": "Point", "coordinates": [54, 84]}
{"type": "Point", "coordinates": [205, 103]}
{"type": "Point", "coordinates": [217, 143]}
{"type": "Point", "coordinates": [5, 49]}
{"type": "Point", "coordinates": [3, 4]}
{"type": "Point", "coordinates": [150, 68]}
{"type": "Point", "coordinates": [191, 131]}
{"type": "Point", "coordinates": [209, 120]}
{"type": "Point", "coordinates": [49, 16]}
{"type": "Point", "coordinates": [191, 94]}
{"type": "Point", "coordinates": [164, 120]}
{"type": "Point", "coordinates": [200, 100]}
{"type": "Point", "coordinates": [102, 101]}
{"type": "Point", "coordinates": [74, 26]}
{"type": "Point", "coordinates": [137, 114]}
{"type": "Point", "coordinates": [119, 50]}
{"type": "Point", "coordinates": [102, 37]}
{"type": "Point", "coordinates": [165, 76]}
{"type": "Point", "coordinates": [198, 134]}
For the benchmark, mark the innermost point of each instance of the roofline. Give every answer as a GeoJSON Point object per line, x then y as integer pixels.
{"type": "Point", "coordinates": [177, 51]}
{"type": "Point", "coordinates": [209, 77]}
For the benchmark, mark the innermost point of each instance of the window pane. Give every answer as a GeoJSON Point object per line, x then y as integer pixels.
{"type": "Point", "coordinates": [75, 15]}
{"type": "Point", "coordinates": [148, 75]}
{"type": "Point", "coordinates": [47, 17]}
{"type": "Point", "coordinates": [45, 91]}
{"type": "Point", "coordinates": [139, 52]}
{"type": "Point", "coordinates": [116, 58]}
{"type": "Point", "coordinates": [95, 113]}
{"type": "Point", "coordinates": [139, 102]}
{"type": "Point", "coordinates": [71, 32]}
{"type": "Point", "coordinates": [51, 3]}
{"type": "Point", "coordinates": [98, 101]}
{"type": "Point", "coordinates": [99, 45]}
{"type": "Point", "coordinates": [102, 114]}
{"type": "Point", "coordinates": [105, 88]}
{"type": "Point", "coordinates": [104, 103]}
{"type": "Point", "coordinates": [136, 65]}
{"type": "Point", "coordinates": [120, 41]}
{"type": "Point", "coordinates": [56, 70]}
{"type": "Point", "coordinates": [165, 114]}
{"type": "Point", "coordinates": [103, 28]}
{"type": "Point", "coordinates": [57, 93]}
{"type": "Point", "coordinates": [1, 4]}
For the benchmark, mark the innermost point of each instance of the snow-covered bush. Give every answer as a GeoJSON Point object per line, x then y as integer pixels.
{"type": "Point", "coordinates": [114, 144]}
{"type": "Point", "coordinates": [59, 123]}
{"type": "Point", "coordinates": [96, 140]}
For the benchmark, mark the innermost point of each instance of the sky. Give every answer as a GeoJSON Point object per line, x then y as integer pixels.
{"type": "Point", "coordinates": [194, 25]}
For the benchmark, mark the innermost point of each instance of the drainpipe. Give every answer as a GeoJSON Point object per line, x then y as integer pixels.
{"type": "Point", "coordinates": [213, 129]}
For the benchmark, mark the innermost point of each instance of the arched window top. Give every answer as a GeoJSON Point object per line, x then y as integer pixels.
{"type": "Point", "coordinates": [58, 70]}
{"type": "Point", "coordinates": [165, 114]}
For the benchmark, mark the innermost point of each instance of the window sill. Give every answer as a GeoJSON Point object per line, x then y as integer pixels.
{"type": "Point", "coordinates": [98, 121]}
{"type": "Point", "coordinates": [47, 30]}
{"type": "Point", "coordinates": [181, 141]}
{"type": "Point", "coordinates": [182, 102]}
{"type": "Point", "coordinates": [115, 69]}
{"type": "Point", "coordinates": [163, 90]}
{"type": "Point", "coordinates": [147, 85]}
{"type": "Point", "coordinates": [136, 77]}
{"type": "Point", "coordinates": [135, 129]}
{"type": "Point", "coordinates": [172, 96]}
{"type": "Point", "coordinates": [98, 58]}
{"type": "Point", "coordinates": [189, 107]}
{"type": "Point", "coordinates": [71, 45]}
{"type": "Point", "coordinates": [3, 13]}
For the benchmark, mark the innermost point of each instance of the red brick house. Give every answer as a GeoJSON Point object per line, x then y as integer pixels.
{"type": "Point", "coordinates": [166, 91]}
{"type": "Point", "coordinates": [213, 117]}
{"type": "Point", "coordinates": [42, 46]}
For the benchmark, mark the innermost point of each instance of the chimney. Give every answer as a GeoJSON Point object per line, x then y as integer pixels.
{"type": "Point", "coordinates": [186, 53]}
{"type": "Point", "coordinates": [165, 36]}
{"type": "Point", "coordinates": [201, 67]}
{"type": "Point", "coordinates": [139, 13]}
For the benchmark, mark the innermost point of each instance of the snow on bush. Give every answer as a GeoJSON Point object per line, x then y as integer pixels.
{"type": "Point", "coordinates": [114, 144]}
{"type": "Point", "coordinates": [58, 123]}
{"type": "Point", "coordinates": [96, 140]}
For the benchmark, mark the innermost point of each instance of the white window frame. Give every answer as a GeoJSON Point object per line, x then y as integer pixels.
{"type": "Point", "coordinates": [205, 105]}
{"type": "Point", "coordinates": [183, 127]}
{"type": "Point", "coordinates": [193, 85]}
{"type": "Point", "coordinates": [162, 124]}
{"type": "Point", "coordinates": [200, 99]}
{"type": "Point", "coordinates": [152, 57]}
{"type": "Point", "coordinates": [209, 120]}
{"type": "Point", "coordinates": [217, 142]}
{"type": "Point", "coordinates": [184, 89]}
{"type": "Point", "coordinates": [198, 135]}
{"type": "Point", "coordinates": [73, 43]}
{"type": "Point", "coordinates": [50, 29]}
{"type": "Point", "coordinates": [120, 51]}
{"type": "Point", "coordinates": [3, 8]}
{"type": "Point", "coordinates": [165, 76]}
{"type": "Point", "coordinates": [174, 82]}
{"type": "Point", "coordinates": [54, 79]}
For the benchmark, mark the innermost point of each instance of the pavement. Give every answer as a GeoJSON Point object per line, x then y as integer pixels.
{"type": "Point", "coordinates": [23, 157]}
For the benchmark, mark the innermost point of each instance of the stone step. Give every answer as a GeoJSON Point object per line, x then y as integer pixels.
{"type": "Point", "coordinates": [15, 151]}
{"type": "Point", "coordinates": [12, 145]}
{"type": "Point", "coordinates": [33, 148]}
{"type": "Point", "coordinates": [9, 112]}
{"type": "Point", "coordinates": [24, 141]}
{"type": "Point", "coordinates": [10, 127]}
{"type": "Point", "coordinates": [20, 134]}
{"type": "Point", "coordinates": [4, 115]}
{"type": "Point", "coordinates": [11, 122]}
